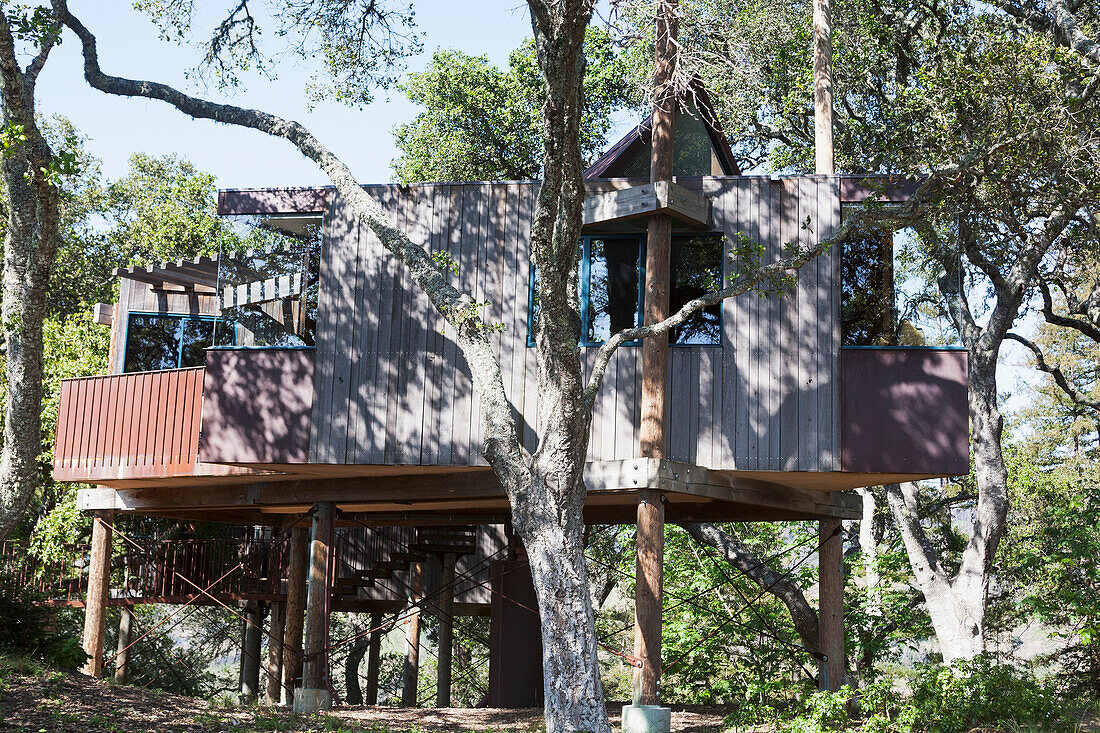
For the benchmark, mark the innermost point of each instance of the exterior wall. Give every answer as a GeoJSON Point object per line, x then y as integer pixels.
{"type": "Point", "coordinates": [905, 411]}
{"type": "Point", "coordinates": [390, 389]}
{"type": "Point", "coordinates": [139, 297]}
{"type": "Point", "coordinates": [256, 406]}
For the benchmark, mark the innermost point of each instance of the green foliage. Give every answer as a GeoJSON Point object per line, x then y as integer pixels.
{"type": "Point", "coordinates": [48, 635]}
{"type": "Point", "coordinates": [485, 123]}
{"type": "Point", "coordinates": [976, 695]}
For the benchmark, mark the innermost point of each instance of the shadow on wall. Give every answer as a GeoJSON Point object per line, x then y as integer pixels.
{"type": "Point", "coordinates": [905, 411]}
{"type": "Point", "coordinates": [256, 406]}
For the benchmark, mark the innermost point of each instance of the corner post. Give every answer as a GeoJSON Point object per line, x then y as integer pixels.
{"type": "Point", "coordinates": [276, 622]}
{"type": "Point", "coordinates": [122, 653]}
{"type": "Point", "coordinates": [314, 694]}
{"type": "Point", "coordinates": [649, 579]}
{"type": "Point", "coordinates": [446, 631]}
{"type": "Point", "coordinates": [250, 653]}
{"type": "Point", "coordinates": [295, 612]}
{"type": "Point", "coordinates": [411, 677]}
{"type": "Point", "coordinates": [831, 602]}
{"type": "Point", "coordinates": [99, 586]}
{"type": "Point", "coordinates": [374, 654]}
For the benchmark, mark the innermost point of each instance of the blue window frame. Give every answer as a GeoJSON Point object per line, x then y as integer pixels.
{"type": "Point", "coordinates": [170, 341]}
{"type": "Point", "coordinates": [611, 273]}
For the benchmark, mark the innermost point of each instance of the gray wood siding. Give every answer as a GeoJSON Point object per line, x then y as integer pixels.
{"type": "Point", "coordinates": [392, 388]}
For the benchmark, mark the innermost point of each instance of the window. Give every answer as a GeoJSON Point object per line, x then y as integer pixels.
{"type": "Point", "coordinates": [611, 273]}
{"type": "Point", "coordinates": [167, 341]}
{"type": "Point", "coordinates": [696, 271]}
{"type": "Point", "coordinates": [269, 293]}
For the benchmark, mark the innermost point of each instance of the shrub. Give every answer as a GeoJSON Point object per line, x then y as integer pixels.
{"type": "Point", "coordinates": [37, 632]}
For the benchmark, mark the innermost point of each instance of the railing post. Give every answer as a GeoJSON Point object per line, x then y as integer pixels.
{"type": "Point", "coordinates": [99, 586]}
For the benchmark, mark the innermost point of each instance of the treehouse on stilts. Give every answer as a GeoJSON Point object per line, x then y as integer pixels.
{"type": "Point", "coordinates": [308, 387]}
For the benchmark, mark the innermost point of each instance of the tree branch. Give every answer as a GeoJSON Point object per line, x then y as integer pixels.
{"type": "Point", "coordinates": [502, 447]}
{"type": "Point", "coordinates": [1056, 373]}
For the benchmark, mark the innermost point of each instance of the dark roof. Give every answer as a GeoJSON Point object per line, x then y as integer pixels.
{"type": "Point", "coordinates": [631, 143]}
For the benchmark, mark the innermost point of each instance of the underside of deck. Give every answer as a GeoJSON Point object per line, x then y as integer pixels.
{"type": "Point", "coordinates": [380, 495]}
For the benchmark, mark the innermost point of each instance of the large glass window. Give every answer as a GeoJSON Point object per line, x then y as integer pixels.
{"type": "Point", "coordinates": [169, 341]}
{"type": "Point", "coordinates": [611, 273]}
{"type": "Point", "coordinates": [610, 286]}
{"type": "Point", "coordinates": [696, 271]}
{"type": "Point", "coordinates": [268, 294]}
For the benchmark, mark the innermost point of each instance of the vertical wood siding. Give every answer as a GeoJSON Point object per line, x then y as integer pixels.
{"type": "Point", "coordinates": [392, 388]}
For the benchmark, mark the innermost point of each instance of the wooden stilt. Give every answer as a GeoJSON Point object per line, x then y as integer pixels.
{"type": "Point", "coordinates": [250, 653]}
{"type": "Point", "coordinates": [276, 622]}
{"type": "Point", "coordinates": [831, 601]}
{"type": "Point", "coordinates": [294, 618]}
{"type": "Point", "coordinates": [99, 582]}
{"type": "Point", "coordinates": [122, 652]}
{"type": "Point", "coordinates": [647, 594]}
{"type": "Point", "coordinates": [314, 694]}
{"type": "Point", "coordinates": [374, 659]}
{"type": "Point", "coordinates": [446, 632]}
{"type": "Point", "coordinates": [411, 677]}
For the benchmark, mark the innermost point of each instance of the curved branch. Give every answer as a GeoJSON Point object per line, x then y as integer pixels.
{"type": "Point", "coordinates": [502, 447]}
{"type": "Point", "coordinates": [1056, 373]}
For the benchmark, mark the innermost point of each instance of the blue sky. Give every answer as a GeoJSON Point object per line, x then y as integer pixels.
{"type": "Point", "coordinates": [129, 46]}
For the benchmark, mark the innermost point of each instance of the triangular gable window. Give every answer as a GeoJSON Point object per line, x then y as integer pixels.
{"type": "Point", "coordinates": [699, 147]}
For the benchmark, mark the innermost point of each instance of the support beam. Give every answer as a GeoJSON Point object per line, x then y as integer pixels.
{"type": "Point", "coordinates": [276, 624]}
{"type": "Point", "coordinates": [374, 655]}
{"type": "Point", "coordinates": [295, 612]}
{"type": "Point", "coordinates": [831, 602]}
{"type": "Point", "coordinates": [314, 694]}
{"type": "Point", "coordinates": [99, 582]}
{"type": "Point", "coordinates": [446, 631]}
{"type": "Point", "coordinates": [823, 88]}
{"type": "Point", "coordinates": [122, 652]}
{"type": "Point", "coordinates": [411, 677]}
{"type": "Point", "coordinates": [649, 579]}
{"type": "Point", "coordinates": [250, 653]}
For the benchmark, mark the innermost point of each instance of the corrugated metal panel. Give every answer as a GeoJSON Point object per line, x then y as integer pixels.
{"type": "Point", "coordinates": [125, 426]}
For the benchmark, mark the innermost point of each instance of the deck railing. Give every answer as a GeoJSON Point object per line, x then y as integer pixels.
{"type": "Point", "coordinates": [162, 570]}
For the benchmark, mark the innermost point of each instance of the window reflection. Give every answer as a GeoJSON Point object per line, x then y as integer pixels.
{"type": "Point", "coordinates": [614, 302]}
{"type": "Point", "coordinates": [696, 270]}
{"type": "Point", "coordinates": [170, 341]}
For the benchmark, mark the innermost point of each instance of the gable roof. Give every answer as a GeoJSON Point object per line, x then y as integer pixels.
{"type": "Point", "coordinates": [622, 152]}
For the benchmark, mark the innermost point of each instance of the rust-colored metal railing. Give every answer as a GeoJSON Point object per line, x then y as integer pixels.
{"type": "Point", "coordinates": [127, 426]}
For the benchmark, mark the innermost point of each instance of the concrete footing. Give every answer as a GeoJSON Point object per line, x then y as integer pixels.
{"type": "Point", "coordinates": [310, 701]}
{"type": "Point", "coordinates": [646, 719]}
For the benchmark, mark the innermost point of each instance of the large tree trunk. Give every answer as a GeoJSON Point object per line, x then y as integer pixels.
{"type": "Point", "coordinates": [30, 248]}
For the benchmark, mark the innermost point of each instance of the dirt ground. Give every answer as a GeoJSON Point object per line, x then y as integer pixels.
{"type": "Point", "coordinates": [64, 702]}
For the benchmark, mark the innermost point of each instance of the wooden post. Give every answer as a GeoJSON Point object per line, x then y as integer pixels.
{"type": "Point", "coordinates": [314, 694]}
{"type": "Point", "coordinates": [647, 594]}
{"type": "Point", "coordinates": [250, 653]}
{"type": "Point", "coordinates": [411, 677]}
{"type": "Point", "coordinates": [276, 622]}
{"type": "Point", "coordinates": [823, 88]}
{"type": "Point", "coordinates": [122, 652]}
{"type": "Point", "coordinates": [295, 611]}
{"type": "Point", "coordinates": [446, 632]}
{"type": "Point", "coordinates": [373, 659]}
{"type": "Point", "coordinates": [99, 586]}
{"type": "Point", "coordinates": [659, 240]}
{"type": "Point", "coordinates": [831, 601]}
